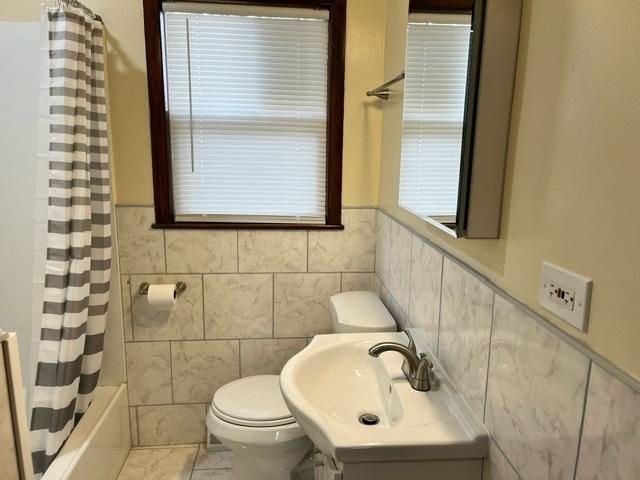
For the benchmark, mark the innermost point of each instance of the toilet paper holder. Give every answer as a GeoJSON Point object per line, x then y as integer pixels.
{"type": "Point", "coordinates": [144, 288]}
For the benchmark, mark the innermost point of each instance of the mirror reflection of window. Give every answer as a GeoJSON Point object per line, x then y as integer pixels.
{"type": "Point", "coordinates": [434, 105]}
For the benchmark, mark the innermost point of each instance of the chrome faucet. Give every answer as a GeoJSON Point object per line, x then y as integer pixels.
{"type": "Point", "coordinates": [415, 368]}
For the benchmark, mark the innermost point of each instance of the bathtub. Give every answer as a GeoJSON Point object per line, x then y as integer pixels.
{"type": "Point", "coordinates": [98, 446]}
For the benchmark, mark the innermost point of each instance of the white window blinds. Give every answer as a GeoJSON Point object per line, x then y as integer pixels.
{"type": "Point", "coordinates": [246, 89]}
{"type": "Point", "coordinates": [434, 97]}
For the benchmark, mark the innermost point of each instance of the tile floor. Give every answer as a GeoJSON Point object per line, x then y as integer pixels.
{"type": "Point", "coordinates": [184, 462]}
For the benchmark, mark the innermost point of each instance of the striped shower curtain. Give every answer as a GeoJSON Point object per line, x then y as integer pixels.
{"type": "Point", "coordinates": [77, 273]}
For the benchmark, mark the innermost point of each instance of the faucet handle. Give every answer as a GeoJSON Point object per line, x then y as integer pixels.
{"type": "Point", "coordinates": [423, 356]}
{"type": "Point", "coordinates": [412, 344]}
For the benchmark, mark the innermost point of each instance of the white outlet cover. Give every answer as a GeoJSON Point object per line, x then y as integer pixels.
{"type": "Point", "coordinates": [579, 316]}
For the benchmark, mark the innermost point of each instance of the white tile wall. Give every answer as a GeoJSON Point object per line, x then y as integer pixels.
{"type": "Point", "coordinates": [610, 445]}
{"type": "Point", "coordinates": [253, 299]}
{"type": "Point", "coordinates": [526, 383]}
{"type": "Point", "coordinates": [301, 307]}
{"type": "Point", "coordinates": [425, 289]}
{"type": "Point", "coordinates": [535, 395]}
{"type": "Point", "coordinates": [465, 331]}
{"type": "Point", "coordinates": [272, 251]}
{"type": "Point", "coordinates": [238, 305]}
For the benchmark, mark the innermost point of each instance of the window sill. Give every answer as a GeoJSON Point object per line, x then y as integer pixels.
{"type": "Point", "coordinates": [244, 226]}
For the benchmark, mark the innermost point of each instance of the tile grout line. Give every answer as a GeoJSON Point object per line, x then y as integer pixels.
{"type": "Point", "coordinates": [582, 420]}
{"type": "Point", "coordinates": [137, 424]}
{"type": "Point", "coordinates": [195, 459]}
{"type": "Point", "coordinates": [204, 319]}
{"type": "Point", "coordinates": [226, 339]}
{"type": "Point", "coordinates": [440, 307]}
{"type": "Point", "coordinates": [307, 270]}
{"type": "Point", "coordinates": [239, 358]}
{"type": "Point", "coordinates": [164, 248]}
{"type": "Point", "coordinates": [129, 283]}
{"type": "Point", "coordinates": [486, 382]}
{"type": "Point", "coordinates": [171, 371]}
{"type": "Point", "coordinates": [409, 309]}
{"type": "Point", "coordinates": [505, 456]}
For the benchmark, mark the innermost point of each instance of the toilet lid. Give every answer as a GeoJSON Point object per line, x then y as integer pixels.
{"type": "Point", "coordinates": [252, 401]}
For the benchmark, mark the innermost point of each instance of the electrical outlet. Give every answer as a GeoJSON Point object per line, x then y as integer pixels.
{"type": "Point", "coordinates": [566, 294]}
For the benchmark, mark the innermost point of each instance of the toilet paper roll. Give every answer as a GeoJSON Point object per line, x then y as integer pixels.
{"type": "Point", "coordinates": [162, 297]}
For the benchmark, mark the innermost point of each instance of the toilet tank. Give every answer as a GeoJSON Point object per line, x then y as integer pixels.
{"type": "Point", "coordinates": [353, 312]}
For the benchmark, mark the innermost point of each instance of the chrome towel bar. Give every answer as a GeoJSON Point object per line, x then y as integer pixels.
{"type": "Point", "coordinates": [383, 90]}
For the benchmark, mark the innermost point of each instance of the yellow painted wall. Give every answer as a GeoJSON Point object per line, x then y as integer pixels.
{"type": "Point", "coordinates": [573, 168]}
{"type": "Point", "coordinates": [129, 108]}
{"type": "Point", "coordinates": [571, 194]}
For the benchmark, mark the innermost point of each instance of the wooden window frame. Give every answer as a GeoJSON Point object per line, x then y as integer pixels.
{"type": "Point", "coordinates": [440, 6]}
{"type": "Point", "coordinates": [159, 117]}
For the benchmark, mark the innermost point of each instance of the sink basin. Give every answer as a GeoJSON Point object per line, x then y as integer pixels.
{"type": "Point", "coordinates": [333, 382]}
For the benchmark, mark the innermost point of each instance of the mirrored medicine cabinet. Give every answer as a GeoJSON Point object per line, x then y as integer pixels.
{"type": "Point", "coordinates": [460, 62]}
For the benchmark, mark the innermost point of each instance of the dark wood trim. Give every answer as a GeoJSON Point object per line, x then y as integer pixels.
{"type": "Point", "coordinates": [160, 151]}
{"type": "Point", "coordinates": [245, 226]}
{"type": "Point", "coordinates": [323, 4]}
{"type": "Point", "coordinates": [159, 122]}
{"type": "Point", "coordinates": [335, 110]}
{"type": "Point", "coordinates": [440, 6]}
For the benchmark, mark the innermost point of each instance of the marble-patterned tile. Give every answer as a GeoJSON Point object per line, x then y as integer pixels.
{"type": "Point", "coordinates": [201, 367]}
{"type": "Point", "coordinates": [172, 424]}
{"type": "Point", "coordinates": [465, 331]}
{"type": "Point", "coordinates": [148, 373]}
{"type": "Point", "coordinates": [238, 305]}
{"type": "Point", "coordinates": [133, 424]}
{"type": "Point", "coordinates": [268, 356]}
{"type": "Point", "coordinates": [212, 475]}
{"type": "Point", "coordinates": [383, 247]}
{"type": "Point", "coordinates": [125, 284]}
{"type": "Point", "coordinates": [184, 322]}
{"type": "Point", "coordinates": [350, 250]}
{"type": "Point", "coordinates": [424, 290]}
{"type": "Point", "coordinates": [610, 447]}
{"type": "Point", "coordinates": [377, 285]}
{"type": "Point", "coordinates": [356, 282]}
{"type": "Point", "coordinates": [394, 308]}
{"type": "Point", "coordinates": [266, 251]}
{"type": "Point", "coordinates": [400, 268]}
{"type": "Point", "coordinates": [214, 460]}
{"type": "Point", "coordinates": [496, 466]}
{"type": "Point", "coordinates": [141, 248]}
{"type": "Point", "coordinates": [159, 464]}
{"type": "Point", "coordinates": [301, 303]}
{"type": "Point", "coordinates": [202, 251]}
{"type": "Point", "coordinates": [535, 395]}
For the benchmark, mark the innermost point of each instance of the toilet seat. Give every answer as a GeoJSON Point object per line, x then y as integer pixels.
{"type": "Point", "coordinates": [249, 416]}
{"type": "Point", "coordinates": [252, 402]}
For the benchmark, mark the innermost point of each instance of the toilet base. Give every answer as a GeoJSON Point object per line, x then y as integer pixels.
{"type": "Point", "coordinates": [256, 463]}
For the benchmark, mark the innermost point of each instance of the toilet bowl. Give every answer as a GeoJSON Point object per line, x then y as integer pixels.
{"type": "Point", "coordinates": [249, 416]}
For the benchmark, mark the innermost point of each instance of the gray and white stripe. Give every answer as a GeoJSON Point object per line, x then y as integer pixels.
{"type": "Point", "coordinates": [78, 265]}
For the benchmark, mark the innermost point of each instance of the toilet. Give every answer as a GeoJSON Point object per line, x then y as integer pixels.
{"type": "Point", "coordinates": [249, 415]}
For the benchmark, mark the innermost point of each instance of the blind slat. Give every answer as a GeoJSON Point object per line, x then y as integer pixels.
{"type": "Point", "coordinates": [247, 99]}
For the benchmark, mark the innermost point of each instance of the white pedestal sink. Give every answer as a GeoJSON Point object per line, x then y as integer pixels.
{"type": "Point", "coordinates": [331, 384]}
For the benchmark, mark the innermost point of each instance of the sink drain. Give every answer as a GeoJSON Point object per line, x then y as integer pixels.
{"type": "Point", "coordinates": [369, 419]}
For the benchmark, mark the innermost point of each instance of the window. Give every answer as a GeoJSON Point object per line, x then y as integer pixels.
{"type": "Point", "coordinates": [434, 105]}
{"type": "Point", "coordinates": [251, 120]}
